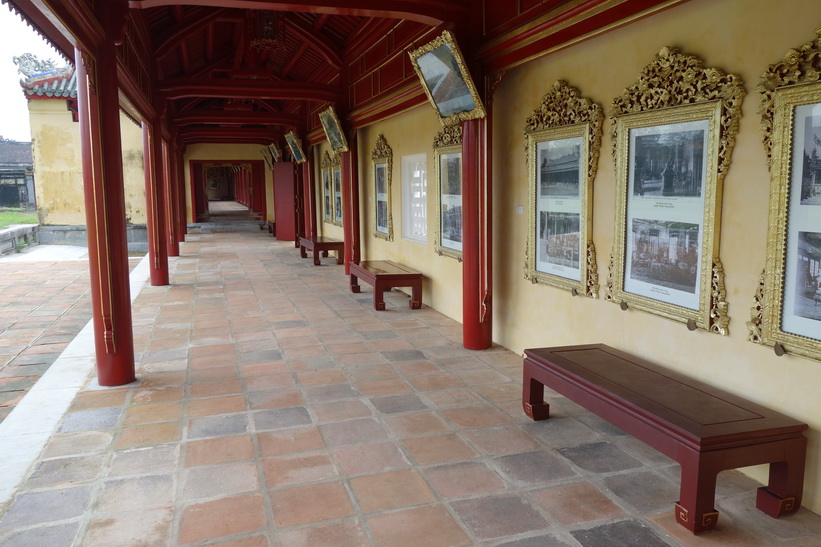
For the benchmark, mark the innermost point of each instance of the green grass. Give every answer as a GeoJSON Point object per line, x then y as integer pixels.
{"type": "Point", "coordinates": [17, 217]}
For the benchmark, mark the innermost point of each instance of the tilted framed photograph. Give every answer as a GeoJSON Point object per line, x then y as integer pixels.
{"type": "Point", "coordinates": [672, 152]}
{"type": "Point", "coordinates": [333, 130]}
{"type": "Point", "coordinates": [448, 167]}
{"type": "Point", "coordinates": [382, 158]}
{"type": "Point", "coordinates": [295, 145]}
{"type": "Point", "coordinates": [787, 311]}
{"type": "Point", "coordinates": [336, 175]}
{"type": "Point", "coordinates": [562, 139]}
{"type": "Point", "coordinates": [276, 153]}
{"type": "Point", "coordinates": [445, 78]}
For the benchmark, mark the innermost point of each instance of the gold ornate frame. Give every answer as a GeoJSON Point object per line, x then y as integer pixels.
{"type": "Point", "coordinates": [447, 142]}
{"type": "Point", "coordinates": [295, 144]}
{"type": "Point", "coordinates": [564, 114]}
{"type": "Point", "coordinates": [333, 130]}
{"type": "Point", "coordinates": [266, 155]}
{"type": "Point", "coordinates": [428, 61]}
{"type": "Point", "coordinates": [789, 90]}
{"type": "Point", "coordinates": [276, 153]}
{"type": "Point", "coordinates": [382, 158]}
{"type": "Point", "coordinates": [676, 89]}
{"type": "Point", "coordinates": [331, 166]}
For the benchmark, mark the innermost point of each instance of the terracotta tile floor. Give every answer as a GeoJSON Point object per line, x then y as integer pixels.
{"type": "Point", "coordinates": [274, 407]}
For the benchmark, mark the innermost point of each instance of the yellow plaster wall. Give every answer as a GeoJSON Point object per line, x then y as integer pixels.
{"type": "Point", "coordinates": [409, 133]}
{"type": "Point", "coordinates": [131, 135]}
{"type": "Point", "coordinates": [226, 152]}
{"type": "Point", "coordinates": [737, 36]}
{"type": "Point", "coordinates": [58, 175]}
{"type": "Point", "coordinates": [58, 166]}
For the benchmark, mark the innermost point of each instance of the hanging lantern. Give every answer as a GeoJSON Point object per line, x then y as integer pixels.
{"type": "Point", "coordinates": [267, 29]}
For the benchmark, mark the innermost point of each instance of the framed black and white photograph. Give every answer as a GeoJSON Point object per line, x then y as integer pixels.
{"type": "Point", "coordinates": [337, 181]}
{"type": "Point", "coordinates": [382, 157]}
{"type": "Point", "coordinates": [673, 132]}
{"type": "Point", "coordinates": [333, 130]}
{"type": "Point", "coordinates": [276, 153]}
{"type": "Point", "coordinates": [449, 177]}
{"type": "Point", "coordinates": [562, 139]}
{"type": "Point", "coordinates": [667, 172]}
{"type": "Point", "coordinates": [786, 314]}
{"type": "Point", "coordinates": [446, 80]}
{"type": "Point", "coordinates": [327, 203]}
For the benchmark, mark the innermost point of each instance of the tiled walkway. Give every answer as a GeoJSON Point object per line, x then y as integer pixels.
{"type": "Point", "coordinates": [277, 408]}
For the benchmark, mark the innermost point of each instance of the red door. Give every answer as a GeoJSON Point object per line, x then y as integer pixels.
{"type": "Point", "coordinates": [285, 201]}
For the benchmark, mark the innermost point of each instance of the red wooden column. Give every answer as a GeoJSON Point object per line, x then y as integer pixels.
{"type": "Point", "coordinates": [169, 197]}
{"type": "Point", "coordinates": [154, 209]}
{"type": "Point", "coordinates": [98, 106]}
{"type": "Point", "coordinates": [309, 199]}
{"type": "Point", "coordinates": [477, 236]}
{"type": "Point", "coordinates": [350, 197]}
{"type": "Point", "coordinates": [179, 186]}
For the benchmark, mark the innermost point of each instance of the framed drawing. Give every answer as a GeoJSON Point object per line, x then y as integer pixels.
{"type": "Point", "coordinates": [382, 157]}
{"type": "Point", "coordinates": [446, 80]}
{"type": "Point", "coordinates": [673, 133]}
{"type": "Point", "coordinates": [276, 153]}
{"type": "Point", "coordinates": [447, 157]}
{"type": "Point", "coordinates": [296, 147]}
{"type": "Point", "coordinates": [327, 194]}
{"type": "Point", "coordinates": [336, 173]}
{"type": "Point", "coordinates": [333, 130]}
{"type": "Point", "coordinates": [787, 311]}
{"type": "Point", "coordinates": [562, 139]}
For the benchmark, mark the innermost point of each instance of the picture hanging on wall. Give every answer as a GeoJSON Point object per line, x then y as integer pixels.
{"type": "Point", "coordinates": [276, 153]}
{"type": "Point", "coordinates": [331, 169]}
{"type": "Point", "coordinates": [333, 130]}
{"type": "Point", "coordinates": [787, 310]}
{"type": "Point", "coordinates": [447, 156]}
{"type": "Point", "coordinates": [673, 134]}
{"type": "Point", "coordinates": [267, 157]}
{"type": "Point", "coordinates": [296, 147]}
{"type": "Point", "coordinates": [445, 78]}
{"type": "Point", "coordinates": [382, 157]}
{"type": "Point", "coordinates": [562, 139]}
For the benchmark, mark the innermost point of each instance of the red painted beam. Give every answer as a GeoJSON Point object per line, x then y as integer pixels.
{"type": "Point", "coordinates": [430, 12]}
{"type": "Point", "coordinates": [178, 88]}
{"type": "Point", "coordinates": [221, 117]}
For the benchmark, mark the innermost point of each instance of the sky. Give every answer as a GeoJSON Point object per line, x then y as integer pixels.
{"type": "Point", "coordinates": [16, 38]}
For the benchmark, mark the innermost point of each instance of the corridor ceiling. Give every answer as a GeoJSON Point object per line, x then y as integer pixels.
{"type": "Point", "coordinates": [195, 62]}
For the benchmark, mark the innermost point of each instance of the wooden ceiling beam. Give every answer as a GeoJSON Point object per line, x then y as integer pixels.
{"type": "Point", "coordinates": [430, 12]}
{"type": "Point", "coordinates": [294, 59]}
{"type": "Point", "coordinates": [221, 117]}
{"type": "Point", "coordinates": [307, 34]}
{"type": "Point", "coordinates": [178, 88]}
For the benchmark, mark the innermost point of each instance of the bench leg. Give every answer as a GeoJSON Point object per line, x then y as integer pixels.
{"type": "Point", "coordinates": [416, 296]}
{"type": "Point", "coordinates": [316, 257]}
{"type": "Point", "coordinates": [302, 252]}
{"type": "Point", "coordinates": [695, 509]}
{"type": "Point", "coordinates": [378, 297]}
{"type": "Point", "coordinates": [782, 495]}
{"type": "Point", "coordinates": [355, 284]}
{"type": "Point", "coordinates": [339, 257]}
{"type": "Point", "coordinates": [533, 396]}
{"type": "Point", "coordinates": [325, 253]}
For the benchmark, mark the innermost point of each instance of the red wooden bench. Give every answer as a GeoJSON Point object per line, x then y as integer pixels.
{"type": "Point", "coordinates": [383, 275]}
{"type": "Point", "coordinates": [704, 429]}
{"type": "Point", "coordinates": [321, 244]}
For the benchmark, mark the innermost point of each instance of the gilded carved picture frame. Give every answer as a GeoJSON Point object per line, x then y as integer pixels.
{"type": "Point", "coordinates": [447, 169]}
{"type": "Point", "coordinates": [446, 80]}
{"type": "Point", "coordinates": [787, 310]}
{"type": "Point", "coordinates": [382, 158]}
{"type": "Point", "coordinates": [331, 181]}
{"type": "Point", "coordinates": [673, 133]}
{"type": "Point", "coordinates": [562, 140]}
{"type": "Point", "coordinates": [333, 130]}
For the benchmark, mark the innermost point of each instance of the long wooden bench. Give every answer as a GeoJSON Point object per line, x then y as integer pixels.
{"type": "Point", "coordinates": [384, 275]}
{"type": "Point", "coordinates": [321, 244]}
{"type": "Point", "coordinates": [704, 429]}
